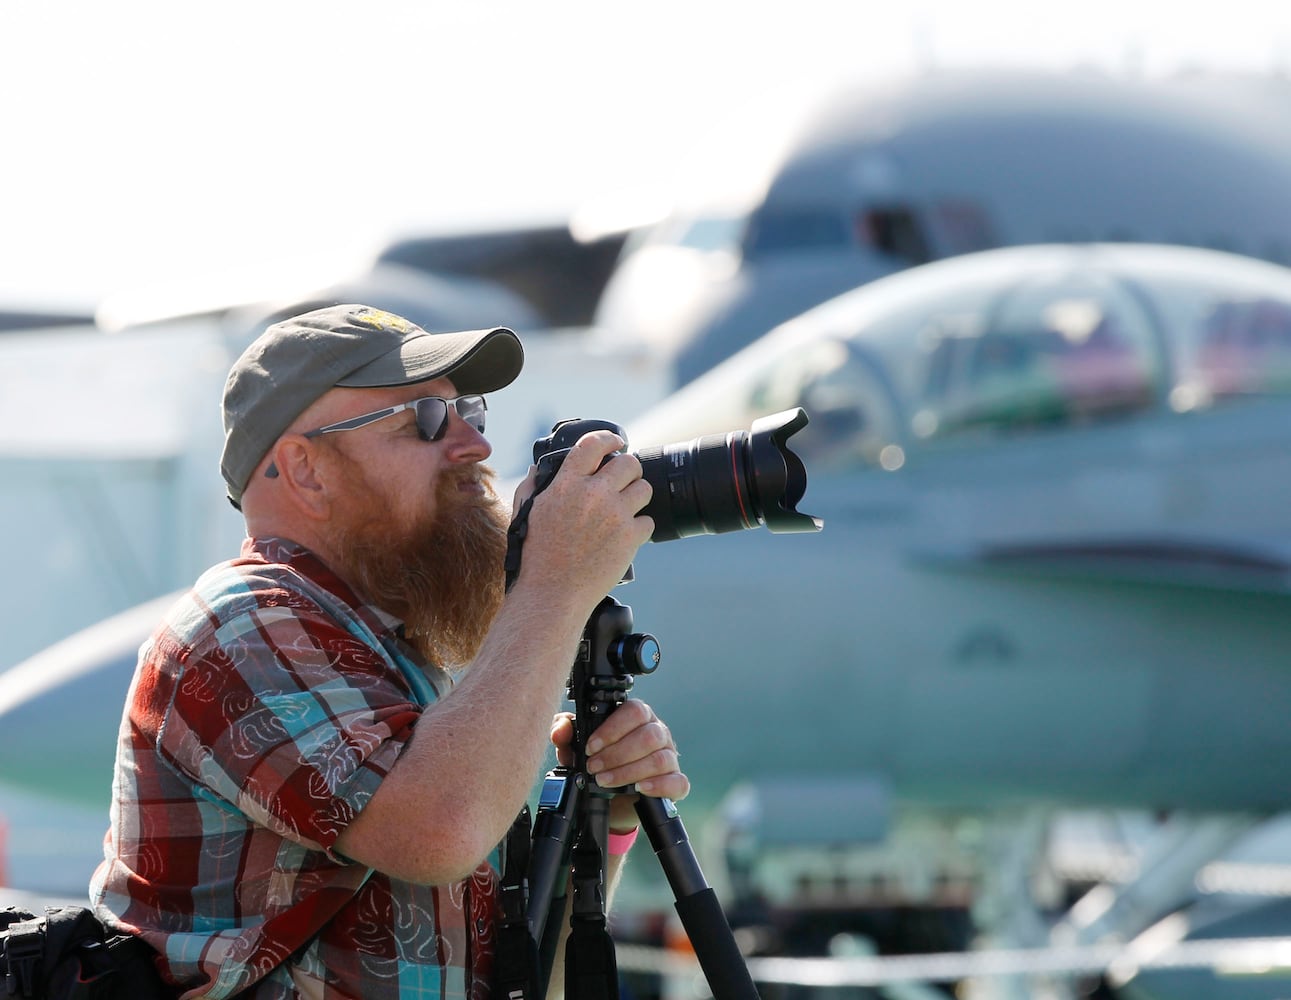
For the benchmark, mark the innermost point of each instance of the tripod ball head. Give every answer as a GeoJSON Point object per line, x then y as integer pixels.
{"type": "Point", "coordinates": [636, 653]}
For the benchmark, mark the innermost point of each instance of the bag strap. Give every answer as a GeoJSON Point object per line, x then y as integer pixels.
{"type": "Point", "coordinates": [136, 973]}
{"type": "Point", "coordinates": [515, 963]}
{"type": "Point", "coordinates": [24, 949]}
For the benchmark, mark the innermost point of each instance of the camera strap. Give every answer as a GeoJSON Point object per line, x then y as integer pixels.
{"type": "Point", "coordinates": [516, 534]}
{"type": "Point", "coordinates": [546, 465]}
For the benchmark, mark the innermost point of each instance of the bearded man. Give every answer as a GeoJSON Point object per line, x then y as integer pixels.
{"type": "Point", "coordinates": [328, 736]}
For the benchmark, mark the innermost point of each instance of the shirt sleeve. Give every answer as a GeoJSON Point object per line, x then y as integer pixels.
{"type": "Point", "coordinates": [290, 719]}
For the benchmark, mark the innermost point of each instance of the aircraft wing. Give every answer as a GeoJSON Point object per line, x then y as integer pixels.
{"type": "Point", "coordinates": [1262, 566]}
{"type": "Point", "coordinates": [1240, 960]}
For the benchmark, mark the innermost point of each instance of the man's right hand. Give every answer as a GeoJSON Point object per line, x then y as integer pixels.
{"type": "Point", "coordinates": [585, 527]}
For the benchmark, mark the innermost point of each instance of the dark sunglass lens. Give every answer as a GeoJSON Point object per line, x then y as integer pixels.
{"type": "Point", "coordinates": [471, 409]}
{"type": "Point", "coordinates": [432, 417]}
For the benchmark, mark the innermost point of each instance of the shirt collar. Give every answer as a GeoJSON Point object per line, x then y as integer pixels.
{"type": "Point", "coordinates": [309, 565]}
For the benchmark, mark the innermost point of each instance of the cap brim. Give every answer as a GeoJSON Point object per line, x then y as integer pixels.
{"type": "Point", "coordinates": [477, 361]}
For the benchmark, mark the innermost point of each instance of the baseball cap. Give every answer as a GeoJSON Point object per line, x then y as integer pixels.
{"type": "Point", "coordinates": [297, 360]}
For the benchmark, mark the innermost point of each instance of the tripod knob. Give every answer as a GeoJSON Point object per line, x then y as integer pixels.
{"type": "Point", "coordinates": [637, 653]}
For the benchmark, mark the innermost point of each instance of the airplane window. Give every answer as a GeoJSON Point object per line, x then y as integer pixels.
{"type": "Point", "coordinates": [711, 233]}
{"type": "Point", "coordinates": [1049, 354]}
{"type": "Point", "coordinates": [1231, 332]}
{"type": "Point", "coordinates": [848, 396]}
{"type": "Point", "coordinates": [1246, 348]}
{"type": "Point", "coordinates": [774, 231]}
{"type": "Point", "coordinates": [894, 230]}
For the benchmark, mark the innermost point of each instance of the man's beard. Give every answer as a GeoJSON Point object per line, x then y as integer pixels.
{"type": "Point", "coordinates": [443, 576]}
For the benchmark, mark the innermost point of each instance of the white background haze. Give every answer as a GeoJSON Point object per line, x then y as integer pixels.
{"type": "Point", "coordinates": [153, 141]}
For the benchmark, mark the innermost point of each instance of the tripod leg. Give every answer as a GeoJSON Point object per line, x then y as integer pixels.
{"type": "Point", "coordinates": [591, 969]}
{"type": "Point", "coordinates": [697, 904]}
{"type": "Point", "coordinates": [559, 809]}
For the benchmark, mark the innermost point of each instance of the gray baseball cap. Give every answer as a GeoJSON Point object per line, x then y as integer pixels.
{"type": "Point", "coordinates": [295, 361]}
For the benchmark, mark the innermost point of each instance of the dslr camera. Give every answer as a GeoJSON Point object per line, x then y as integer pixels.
{"type": "Point", "coordinates": [711, 484]}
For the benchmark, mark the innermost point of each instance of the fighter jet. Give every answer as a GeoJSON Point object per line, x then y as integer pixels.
{"type": "Point", "coordinates": [1053, 576]}
{"type": "Point", "coordinates": [1053, 573]}
{"type": "Point", "coordinates": [888, 176]}
{"type": "Point", "coordinates": [1050, 478]}
{"type": "Point", "coordinates": [1051, 483]}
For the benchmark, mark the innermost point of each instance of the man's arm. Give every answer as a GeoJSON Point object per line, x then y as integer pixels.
{"type": "Point", "coordinates": [473, 756]}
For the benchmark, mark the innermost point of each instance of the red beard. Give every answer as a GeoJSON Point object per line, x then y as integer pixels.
{"type": "Point", "coordinates": [443, 576]}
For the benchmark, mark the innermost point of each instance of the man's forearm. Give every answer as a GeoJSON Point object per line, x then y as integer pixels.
{"type": "Point", "coordinates": [472, 757]}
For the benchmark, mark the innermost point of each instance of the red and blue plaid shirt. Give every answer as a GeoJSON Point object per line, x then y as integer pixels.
{"type": "Point", "coordinates": [265, 711]}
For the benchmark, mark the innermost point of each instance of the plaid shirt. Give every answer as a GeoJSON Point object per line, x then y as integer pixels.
{"type": "Point", "coordinates": [265, 711]}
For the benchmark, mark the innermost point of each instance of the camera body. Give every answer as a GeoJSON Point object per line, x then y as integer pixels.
{"type": "Point", "coordinates": [549, 452]}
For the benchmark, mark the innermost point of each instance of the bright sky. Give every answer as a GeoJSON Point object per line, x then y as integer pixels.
{"type": "Point", "coordinates": [149, 141]}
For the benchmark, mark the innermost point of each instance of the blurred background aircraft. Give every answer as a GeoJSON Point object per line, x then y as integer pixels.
{"type": "Point", "coordinates": [915, 170]}
{"type": "Point", "coordinates": [182, 205]}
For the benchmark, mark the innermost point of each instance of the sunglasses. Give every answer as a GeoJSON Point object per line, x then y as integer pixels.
{"type": "Point", "coordinates": [431, 413]}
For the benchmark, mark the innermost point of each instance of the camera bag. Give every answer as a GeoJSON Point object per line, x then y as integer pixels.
{"type": "Point", "coordinates": [67, 954]}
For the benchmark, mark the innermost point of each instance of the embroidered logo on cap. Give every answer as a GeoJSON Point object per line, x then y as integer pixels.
{"type": "Point", "coordinates": [378, 319]}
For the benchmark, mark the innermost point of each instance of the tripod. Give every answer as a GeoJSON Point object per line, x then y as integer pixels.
{"type": "Point", "coordinates": [569, 838]}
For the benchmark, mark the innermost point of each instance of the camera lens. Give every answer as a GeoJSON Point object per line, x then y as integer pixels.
{"type": "Point", "coordinates": [728, 482]}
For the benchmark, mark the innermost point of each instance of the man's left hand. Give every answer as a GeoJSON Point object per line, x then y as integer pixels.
{"type": "Point", "coordinates": [632, 746]}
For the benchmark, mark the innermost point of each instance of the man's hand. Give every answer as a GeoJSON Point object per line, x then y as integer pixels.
{"type": "Point", "coordinates": [586, 526]}
{"type": "Point", "coordinates": [632, 746]}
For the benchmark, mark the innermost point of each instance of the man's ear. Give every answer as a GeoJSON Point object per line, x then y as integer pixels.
{"type": "Point", "coordinates": [299, 475]}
